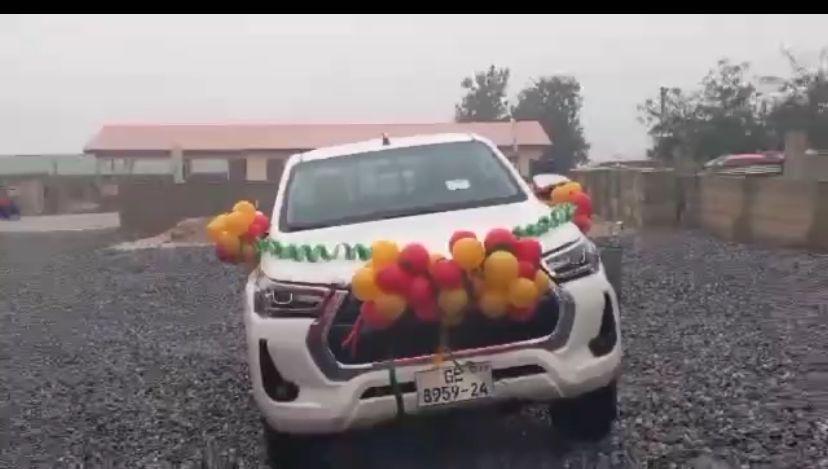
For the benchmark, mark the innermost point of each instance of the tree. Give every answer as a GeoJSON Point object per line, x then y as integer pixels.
{"type": "Point", "coordinates": [555, 102]}
{"type": "Point", "coordinates": [485, 98]}
{"type": "Point", "coordinates": [724, 116]}
{"type": "Point", "coordinates": [804, 105]}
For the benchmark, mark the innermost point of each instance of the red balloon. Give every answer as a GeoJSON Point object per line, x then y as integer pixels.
{"type": "Point", "coordinates": [527, 270]}
{"type": "Point", "coordinates": [414, 258]}
{"type": "Point", "coordinates": [393, 279]}
{"type": "Point", "coordinates": [583, 203]}
{"type": "Point", "coordinates": [529, 250]}
{"type": "Point", "coordinates": [261, 218]}
{"type": "Point", "coordinates": [500, 238]}
{"type": "Point", "coordinates": [372, 318]}
{"type": "Point", "coordinates": [447, 274]}
{"type": "Point", "coordinates": [420, 291]}
{"type": "Point", "coordinates": [460, 235]}
{"type": "Point", "coordinates": [427, 312]}
{"type": "Point", "coordinates": [583, 222]}
{"type": "Point", "coordinates": [257, 229]}
{"type": "Point", "coordinates": [521, 314]}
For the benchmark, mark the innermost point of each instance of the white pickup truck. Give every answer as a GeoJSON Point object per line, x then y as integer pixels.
{"type": "Point", "coordinates": [297, 314]}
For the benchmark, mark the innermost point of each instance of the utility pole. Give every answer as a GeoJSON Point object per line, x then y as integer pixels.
{"type": "Point", "coordinates": [663, 97]}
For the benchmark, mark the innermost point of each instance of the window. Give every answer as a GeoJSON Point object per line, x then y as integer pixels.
{"type": "Point", "coordinates": [394, 183]}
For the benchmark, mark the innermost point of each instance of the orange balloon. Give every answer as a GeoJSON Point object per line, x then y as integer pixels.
{"type": "Point", "coordinates": [384, 253]}
{"type": "Point", "coordinates": [245, 206]}
{"type": "Point", "coordinates": [559, 195]}
{"type": "Point", "coordinates": [237, 223]}
{"type": "Point", "coordinates": [523, 293]}
{"type": "Point", "coordinates": [248, 218]}
{"type": "Point", "coordinates": [229, 242]}
{"type": "Point", "coordinates": [499, 269]}
{"type": "Point", "coordinates": [542, 282]}
{"type": "Point", "coordinates": [216, 226]}
{"type": "Point", "coordinates": [564, 192]}
{"type": "Point", "coordinates": [573, 187]}
{"type": "Point", "coordinates": [468, 253]}
{"type": "Point", "coordinates": [364, 284]}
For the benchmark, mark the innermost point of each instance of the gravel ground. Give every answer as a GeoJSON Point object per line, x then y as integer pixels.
{"type": "Point", "coordinates": [138, 357]}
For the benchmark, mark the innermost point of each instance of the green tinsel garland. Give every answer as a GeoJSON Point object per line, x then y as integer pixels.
{"type": "Point", "coordinates": [559, 215]}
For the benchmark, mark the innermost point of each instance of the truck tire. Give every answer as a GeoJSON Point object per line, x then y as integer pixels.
{"type": "Point", "coordinates": [588, 417]}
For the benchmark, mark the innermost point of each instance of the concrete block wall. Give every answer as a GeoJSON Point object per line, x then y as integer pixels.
{"type": "Point", "coordinates": [152, 205]}
{"type": "Point", "coordinates": [721, 205]}
{"type": "Point", "coordinates": [781, 211]}
{"type": "Point", "coordinates": [768, 210]}
{"type": "Point", "coordinates": [774, 210]}
{"type": "Point", "coordinates": [637, 197]}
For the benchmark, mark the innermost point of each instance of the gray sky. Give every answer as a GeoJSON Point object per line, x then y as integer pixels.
{"type": "Point", "coordinates": [62, 77]}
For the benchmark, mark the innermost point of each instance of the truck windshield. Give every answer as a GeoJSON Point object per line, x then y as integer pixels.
{"type": "Point", "coordinates": [395, 183]}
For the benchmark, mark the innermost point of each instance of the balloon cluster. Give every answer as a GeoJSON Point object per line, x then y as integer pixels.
{"type": "Point", "coordinates": [237, 232]}
{"type": "Point", "coordinates": [501, 275]}
{"type": "Point", "coordinates": [573, 193]}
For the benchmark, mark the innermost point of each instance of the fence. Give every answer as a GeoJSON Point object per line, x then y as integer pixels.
{"type": "Point", "coordinates": [150, 205]}
{"type": "Point", "coordinates": [774, 210]}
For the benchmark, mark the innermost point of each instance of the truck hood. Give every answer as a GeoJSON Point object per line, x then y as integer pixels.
{"type": "Point", "coordinates": [432, 230]}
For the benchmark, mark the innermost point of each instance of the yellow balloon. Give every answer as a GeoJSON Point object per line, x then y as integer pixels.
{"type": "Point", "coordinates": [542, 282]}
{"type": "Point", "coordinates": [452, 302]}
{"type": "Point", "coordinates": [493, 304]}
{"type": "Point", "coordinates": [236, 223]}
{"type": "Point", "coordinates": [245, 206]}
{"type": "Point", "coordinates": [216, 226]}
{"type": "Point", "coordinates": [499, 269]}
{"type": "Point", "coordinates": [523, 293]}
{"type": "Point", "coordinates": [364, 285]}
{"type": "Point", "coordinates": [229, 242]}
{"type": "Point", "coordinates": [468, 253]}
{"type": "Point", "coordinates": [384, 253]}
{"type": "Point", "coordinates": [390, 306]}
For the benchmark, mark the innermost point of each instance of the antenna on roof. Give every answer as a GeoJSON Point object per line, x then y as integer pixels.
{"type": "Point", "coordinates": [385, 140]}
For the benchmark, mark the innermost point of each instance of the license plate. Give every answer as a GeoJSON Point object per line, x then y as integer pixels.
{"type": "Point", "coordinates": [452, 383]}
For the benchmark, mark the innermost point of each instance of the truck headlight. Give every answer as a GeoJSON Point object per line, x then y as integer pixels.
{"type": "Point", "coordinates": [577, 260]}
{"type": "Point", "coordinates": [274, 299]}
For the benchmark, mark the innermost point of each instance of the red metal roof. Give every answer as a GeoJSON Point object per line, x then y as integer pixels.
{"type": "Point", "coordinates": [237, 137]}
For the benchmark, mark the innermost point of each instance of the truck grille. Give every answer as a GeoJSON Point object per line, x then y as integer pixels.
{"type": "Point", "coordinates": [410, 338]}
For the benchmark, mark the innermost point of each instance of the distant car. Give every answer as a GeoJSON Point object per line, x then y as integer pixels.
{"type": "Point", "coordinates": [745, 159]}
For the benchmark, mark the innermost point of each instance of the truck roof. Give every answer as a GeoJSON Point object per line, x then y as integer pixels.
{"type": "Point", "coordinates": [377, 145]}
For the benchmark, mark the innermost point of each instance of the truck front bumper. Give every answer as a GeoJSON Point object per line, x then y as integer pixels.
{"type": "Point", "coordinates": [335, 398]}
